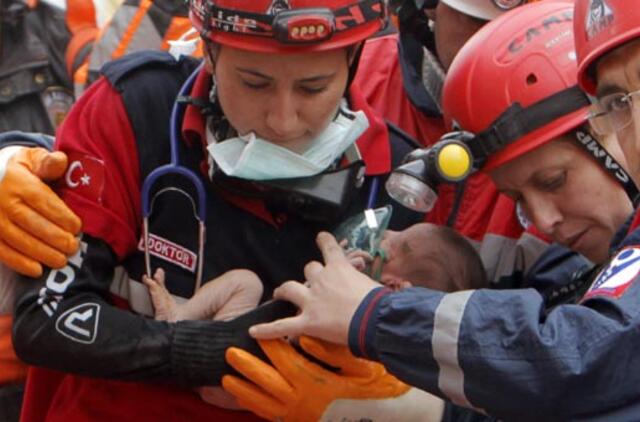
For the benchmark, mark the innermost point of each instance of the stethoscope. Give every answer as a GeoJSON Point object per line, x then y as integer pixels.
{"type": "Point", "coordinates": [174, 167]}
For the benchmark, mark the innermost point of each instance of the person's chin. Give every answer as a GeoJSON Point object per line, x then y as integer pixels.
{"type": "Point", "coordinates": [589, 246]}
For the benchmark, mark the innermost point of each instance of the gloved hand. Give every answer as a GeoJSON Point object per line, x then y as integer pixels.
{"type": "Point", "coordinates": [35, 225]}
{"type": "Point", "coordinates": [296, 389]}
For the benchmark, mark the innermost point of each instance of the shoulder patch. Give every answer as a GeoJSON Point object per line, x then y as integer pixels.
{"type": "Point", "coordinates": [86, 176]}
{"type": "Point", "coordinates": [617, 276]}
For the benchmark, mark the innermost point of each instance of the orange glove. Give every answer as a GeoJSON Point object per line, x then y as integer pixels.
{"type": "Point", "coordinates": [299, 390]}
{"type": "Point", "coordinates": [35, 225]}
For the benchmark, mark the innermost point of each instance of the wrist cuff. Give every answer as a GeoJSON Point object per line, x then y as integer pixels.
{"type": "Point", "coordinates": [363, 325]}
{"type": "Point", "coordinates": [197, 352]}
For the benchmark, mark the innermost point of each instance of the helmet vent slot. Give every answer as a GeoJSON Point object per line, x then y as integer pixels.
{"type": "Point", "coordinates": [532, 79]}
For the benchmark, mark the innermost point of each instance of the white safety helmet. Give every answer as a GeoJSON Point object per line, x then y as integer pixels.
{"type": "Point", "coordinates": [484, 9]}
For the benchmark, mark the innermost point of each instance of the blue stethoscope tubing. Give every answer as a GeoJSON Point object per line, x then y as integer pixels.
{"type": "Point", "coordinates": [174, 167]}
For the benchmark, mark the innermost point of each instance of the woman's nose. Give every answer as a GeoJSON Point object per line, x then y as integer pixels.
{"type": "Point", "coordinates": [282, 115]}
{"type": "Point", "coordinates": [544, 213]}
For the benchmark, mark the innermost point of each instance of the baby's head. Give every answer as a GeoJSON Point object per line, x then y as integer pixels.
{"type": "Point", "coordinates": [432, 256]}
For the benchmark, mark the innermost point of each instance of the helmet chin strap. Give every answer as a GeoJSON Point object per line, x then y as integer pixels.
{"type": "Point", "coordinates": [354, 53]}
{"type": "Point", "coordinates": [599, 153]}
{"type": "Point", "coordinates": [518, 121]}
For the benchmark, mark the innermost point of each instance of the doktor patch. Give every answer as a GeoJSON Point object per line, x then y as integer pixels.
{"type": "Point", "coordinates": [617, 276]}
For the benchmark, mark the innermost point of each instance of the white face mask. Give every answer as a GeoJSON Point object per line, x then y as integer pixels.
{"type": "Point", "coordinates": [252, 158]}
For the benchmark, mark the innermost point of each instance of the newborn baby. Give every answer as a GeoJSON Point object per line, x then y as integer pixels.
{"type": "Point", "coordinates": [424, 255]}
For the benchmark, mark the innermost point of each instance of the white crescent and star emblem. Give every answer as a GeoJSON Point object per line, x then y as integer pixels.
{"type": "Point", "coordinates": [72, 179]}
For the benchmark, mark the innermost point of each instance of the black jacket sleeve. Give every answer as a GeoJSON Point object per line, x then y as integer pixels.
{"type": "Point", "coordinates": [64, 321]}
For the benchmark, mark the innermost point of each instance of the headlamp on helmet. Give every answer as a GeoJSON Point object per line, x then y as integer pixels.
{"type": "Point", "coordinates": [264, 26]}
{"type": "Point", "coordinates": [457, 154]}
{"type": "Point", "coordinates": [414, 183]}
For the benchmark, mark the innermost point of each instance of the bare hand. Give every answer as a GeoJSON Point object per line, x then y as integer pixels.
{"type": "Point", "coordinates": [328, 300]}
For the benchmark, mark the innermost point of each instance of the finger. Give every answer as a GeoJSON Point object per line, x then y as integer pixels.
{"type": "Point", "coordinates": [19, 262]}
{"type": "Point", "coordinates": [51, 234]}
{"type": "Point", "coordinates": [43, 200]}
{"type": "Point", "coordinates": [358, 263]}
{"type": "Point", "coordinates": [159, 276]}
{"type": "Point", "coordinates": [294, 292]}
{"type": "Point", "coordinates": [312, 270]}
{"type": "Point", "coordinates": [253, 398]}
{"type": "Point", "coordinates": [291, 364]}
{"type": "Point", "coordinates": [331, 251]}
{"type": "Point", "coordinates": [49, 165]}
{"type": "Point", "coordinates": [336, 355]}
{"type": "Point", "coordinates": [359, 253]}
{"type": "Point", "coordinates": [36, 249]}
{"type": "Point", "coordinates": [260, 373]}
{"type": "Point", "coordinates": [291, 327]}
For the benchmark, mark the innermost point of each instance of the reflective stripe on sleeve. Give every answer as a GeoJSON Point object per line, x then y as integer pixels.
{"type": "Point", "coordinates": [446, 329]}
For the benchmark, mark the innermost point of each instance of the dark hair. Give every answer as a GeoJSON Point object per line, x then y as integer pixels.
{"type": "Point", "coordinates": [471, 275]}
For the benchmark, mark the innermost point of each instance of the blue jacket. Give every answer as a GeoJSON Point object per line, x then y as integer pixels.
{"type": "Point", "coordinates": [506, 354]}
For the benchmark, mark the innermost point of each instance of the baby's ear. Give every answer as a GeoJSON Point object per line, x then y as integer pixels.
{"type": "Point", "coordinates": [405, 284]}
{"type": "Point", "coordinates": [393, 282]}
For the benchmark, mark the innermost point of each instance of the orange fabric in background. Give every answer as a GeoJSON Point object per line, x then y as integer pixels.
{"type": "Point", "coordinates": [11, 369]}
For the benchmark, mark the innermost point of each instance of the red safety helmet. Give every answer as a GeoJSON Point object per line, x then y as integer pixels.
{"type": "Point", "coordinates": [513, 84]}
{"type": "Point", "coordinates": [600, 26]}
{"type": "Point", "coordinates": [287, 26]}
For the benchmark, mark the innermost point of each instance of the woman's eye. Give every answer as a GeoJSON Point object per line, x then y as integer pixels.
{"type": "Point", "coordinates": [553, 183]}
{"type": "Point", "coordinates": [313, 89]}
{"type": "Point", "coordinates": [255, 85]}
{"type": "Point", "coordinates": [617, 102]}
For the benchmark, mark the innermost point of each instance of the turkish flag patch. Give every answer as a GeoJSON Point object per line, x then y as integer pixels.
{"type": "Point", "coordinates": [85, 176]}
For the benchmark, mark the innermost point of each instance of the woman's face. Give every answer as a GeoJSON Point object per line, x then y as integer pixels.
{"type": "Point", "coordinates": [567, 195]}
{"type": "Point", "coordinates": [619, 72]}
{"type": "Point", "coordinates": [286, 99]}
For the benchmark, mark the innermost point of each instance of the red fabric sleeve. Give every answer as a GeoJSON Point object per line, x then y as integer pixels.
{"type": "Point", "coordinates": [102, 183]}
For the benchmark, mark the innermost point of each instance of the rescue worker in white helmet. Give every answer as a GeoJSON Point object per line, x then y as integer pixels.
{"type": "Point", "coordinates": [270, 145]}
{"type": "Point", "coordinates": [504, 352]}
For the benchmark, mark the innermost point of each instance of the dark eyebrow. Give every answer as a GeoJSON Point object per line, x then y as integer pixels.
{"type": "Point", "coordinates": [305, 80]}
{"type": "Point", "coordinates": [607, 89]}
{"type": "Point", "coordinates": [254, 73]}
{"type": "Point", "coordinates": [318, 78]}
